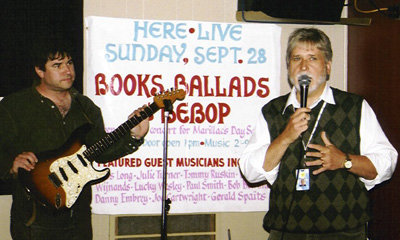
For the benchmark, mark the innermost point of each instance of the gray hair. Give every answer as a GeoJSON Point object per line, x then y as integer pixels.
{"type": "Point", "coordinates": [312, 36]}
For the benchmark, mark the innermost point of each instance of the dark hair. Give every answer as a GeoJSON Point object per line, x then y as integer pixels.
{"type": "Point", "coordinates": [313, 36]}
{"type": "Point", "coordinates": [49, 49]}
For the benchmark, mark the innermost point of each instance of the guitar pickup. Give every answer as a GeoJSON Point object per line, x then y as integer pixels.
{"type": "Point", "coordinates": [73, 168]}
{"type": "Point", "coordinates": [84, 163]}
{"type": "Point", "coordinates": [63, 174]}
{"type": "Point", "coordinates": [55, 180]}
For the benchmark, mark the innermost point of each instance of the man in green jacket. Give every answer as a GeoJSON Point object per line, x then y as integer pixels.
{"type": "Point", "coordinates": [41, 119]}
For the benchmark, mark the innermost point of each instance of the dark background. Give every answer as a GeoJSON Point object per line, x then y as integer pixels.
{"type": "Point", "coordinates": [24, 23]}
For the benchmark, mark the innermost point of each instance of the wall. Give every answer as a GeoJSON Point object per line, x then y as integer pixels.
{"type": "Point", "coordinates": [243, 226]}
{"type": "Point", "coordinates": [5, 203]}
{"type": "Point", "coordinates": [374, 70]}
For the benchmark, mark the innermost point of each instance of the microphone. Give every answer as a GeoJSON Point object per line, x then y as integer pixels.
{"type": "Point", "coordinates": [304, 82]}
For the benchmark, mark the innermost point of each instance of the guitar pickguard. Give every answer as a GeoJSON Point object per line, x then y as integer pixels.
{"type": "Point", "coordinates": [74, 172]}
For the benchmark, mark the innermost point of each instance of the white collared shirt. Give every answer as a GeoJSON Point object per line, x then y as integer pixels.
{"type": "Point", "coordinates": [374, 145]}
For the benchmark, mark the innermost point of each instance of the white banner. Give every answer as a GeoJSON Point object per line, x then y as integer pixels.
{"type": "Point", "coordinates": [228, 70]}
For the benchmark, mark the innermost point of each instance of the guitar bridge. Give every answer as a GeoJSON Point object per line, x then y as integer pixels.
{"type": "Point", "coordinates": [55, 180]}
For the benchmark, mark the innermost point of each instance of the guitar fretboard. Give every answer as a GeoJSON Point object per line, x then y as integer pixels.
{"type": "Point", "coordinates": [99, 147]}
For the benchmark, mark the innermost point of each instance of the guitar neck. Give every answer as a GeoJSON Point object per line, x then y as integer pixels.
{"type": "Point", "coordinates": [112, 137]}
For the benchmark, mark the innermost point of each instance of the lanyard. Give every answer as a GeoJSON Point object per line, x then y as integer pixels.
{"type": "Point", "coordinates": [305, 146]}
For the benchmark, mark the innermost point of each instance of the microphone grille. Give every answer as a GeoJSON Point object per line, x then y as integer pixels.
{"type": "Point", "coordinates": [304, 80]}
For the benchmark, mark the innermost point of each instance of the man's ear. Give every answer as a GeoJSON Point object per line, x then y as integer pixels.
{"type": "Point", "coordinates": [329, 67]}
{"type": "Point", "coordinates": [39, 72]}
{"type": "Point", "coordinates": [328, 70]}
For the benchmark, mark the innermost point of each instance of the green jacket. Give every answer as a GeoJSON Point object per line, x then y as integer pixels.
{"type": "Point", "coordinates": [30, 122]}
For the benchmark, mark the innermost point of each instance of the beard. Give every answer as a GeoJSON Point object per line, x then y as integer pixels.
{"type": "Point", "coordinates": [315, 82]}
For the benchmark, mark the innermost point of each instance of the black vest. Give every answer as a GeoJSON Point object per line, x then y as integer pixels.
{"type": "Point", "coordinates": [337, 200]}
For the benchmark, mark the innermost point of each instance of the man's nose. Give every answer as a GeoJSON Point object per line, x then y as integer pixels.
{"type": "Point", "coordinates": [303, 65]}
{"type": "Point", "coordinates": [67, 68]}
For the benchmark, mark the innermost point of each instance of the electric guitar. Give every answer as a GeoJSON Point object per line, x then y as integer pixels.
{"type": "Point", "coordinates": [60, 175]}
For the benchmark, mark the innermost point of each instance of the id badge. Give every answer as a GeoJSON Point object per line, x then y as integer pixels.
{"type": "Point", "coordinates": [303, 179]}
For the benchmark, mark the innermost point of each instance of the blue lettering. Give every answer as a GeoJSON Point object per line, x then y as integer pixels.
{"type": "Point", "coordinates": [200, 57]}
{"type": "Point", "coordinates": [137, 27]}
{"type": "Point", "coordinates": [181, 30]}
{"type": "Point", "coordinates": [220, 32]}
{"type": "Point", "coordinates": [121, 54]}
{"type": "Point", "coordinates": [164, 30]}
{"type": "Point", "coordinates": [111, 56]}
{"type": "Point", "coordinates": [166, 52]}
{"type": "Point", "coordinates": [236, 30]}
{"type": "Point", "coordinates": [154, 30]}
{"type": "Point", "coordinates": [152, 52]}
{"type": "Point", "coordinates": [135, 52]}
{"type": "Point", "coordinates": [180, 54]}
{"type": "Point", "coordinates": [200, 37]}
{"type": "Point", "coordinates": [215, 54]}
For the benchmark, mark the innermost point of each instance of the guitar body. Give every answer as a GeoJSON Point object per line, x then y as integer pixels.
{"type": "Point", "coordinates": [59, 177]}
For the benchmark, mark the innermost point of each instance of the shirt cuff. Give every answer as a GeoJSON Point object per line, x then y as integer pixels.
{"type": "Point", "coordinates": [134, 144]}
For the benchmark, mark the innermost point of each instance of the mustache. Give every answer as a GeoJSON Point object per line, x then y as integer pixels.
{"type": "Point", "coordinates": [300, 74]}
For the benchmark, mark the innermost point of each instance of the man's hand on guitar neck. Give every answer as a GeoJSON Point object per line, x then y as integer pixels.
{"type": "Point", "coordinates": [142, 128]}
{"type": "Point", "coordinates": [25, 160]}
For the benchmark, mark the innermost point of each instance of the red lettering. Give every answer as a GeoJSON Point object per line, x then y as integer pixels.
{"type": "Point", "coordinates": [129, 80]}
{"type": "Point", "coordinates": [223, 110]}
{"type": "Point", "coordinates": [100, 79]}
{"type": "Point", "coordinates": [249, 90]}
{"type": "Point", "coordinates": [180, 81]}
{"type": "Point", "coordinates": [207, 93]}
{"type": "Point", "coordinates": [219, 93]}
{"type": "Point", "coordinates": [160, 88]}
{"type": "Point", "coordinates": [203, 86]}
{"type": "Point", "coordinates": [263, 86]}
{"type": "Point", "coordinates": [197, 110]}
{"type": "Point", "coordinates": [195, 84]}
{"type": "Point", "coordinates": [142, 85]}
{"type": "Point", "coordinates": [197, 113]}
{"type": "Point", "coordinates": [235, 85]}
{"type": "Point", "coordinates": [112, 88]}
{"type": "Point", "coordinates": [128, 85]}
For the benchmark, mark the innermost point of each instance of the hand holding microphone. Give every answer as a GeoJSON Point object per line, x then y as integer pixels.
{"type": "Point", "coordinates": [298, 122]}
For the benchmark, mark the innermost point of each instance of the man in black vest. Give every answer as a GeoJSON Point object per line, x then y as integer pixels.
{"type": "Point", "coordinates": [321, 158]}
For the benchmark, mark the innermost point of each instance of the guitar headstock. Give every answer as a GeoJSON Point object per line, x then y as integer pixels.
{"type": "Point", "coordinates": [171, 95]}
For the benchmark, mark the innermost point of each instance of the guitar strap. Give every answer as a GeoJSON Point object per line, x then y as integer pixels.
{"type": "Point", "coordinates": [83, 110]}
{"type": "Point", "coordinates": [33, 217]}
